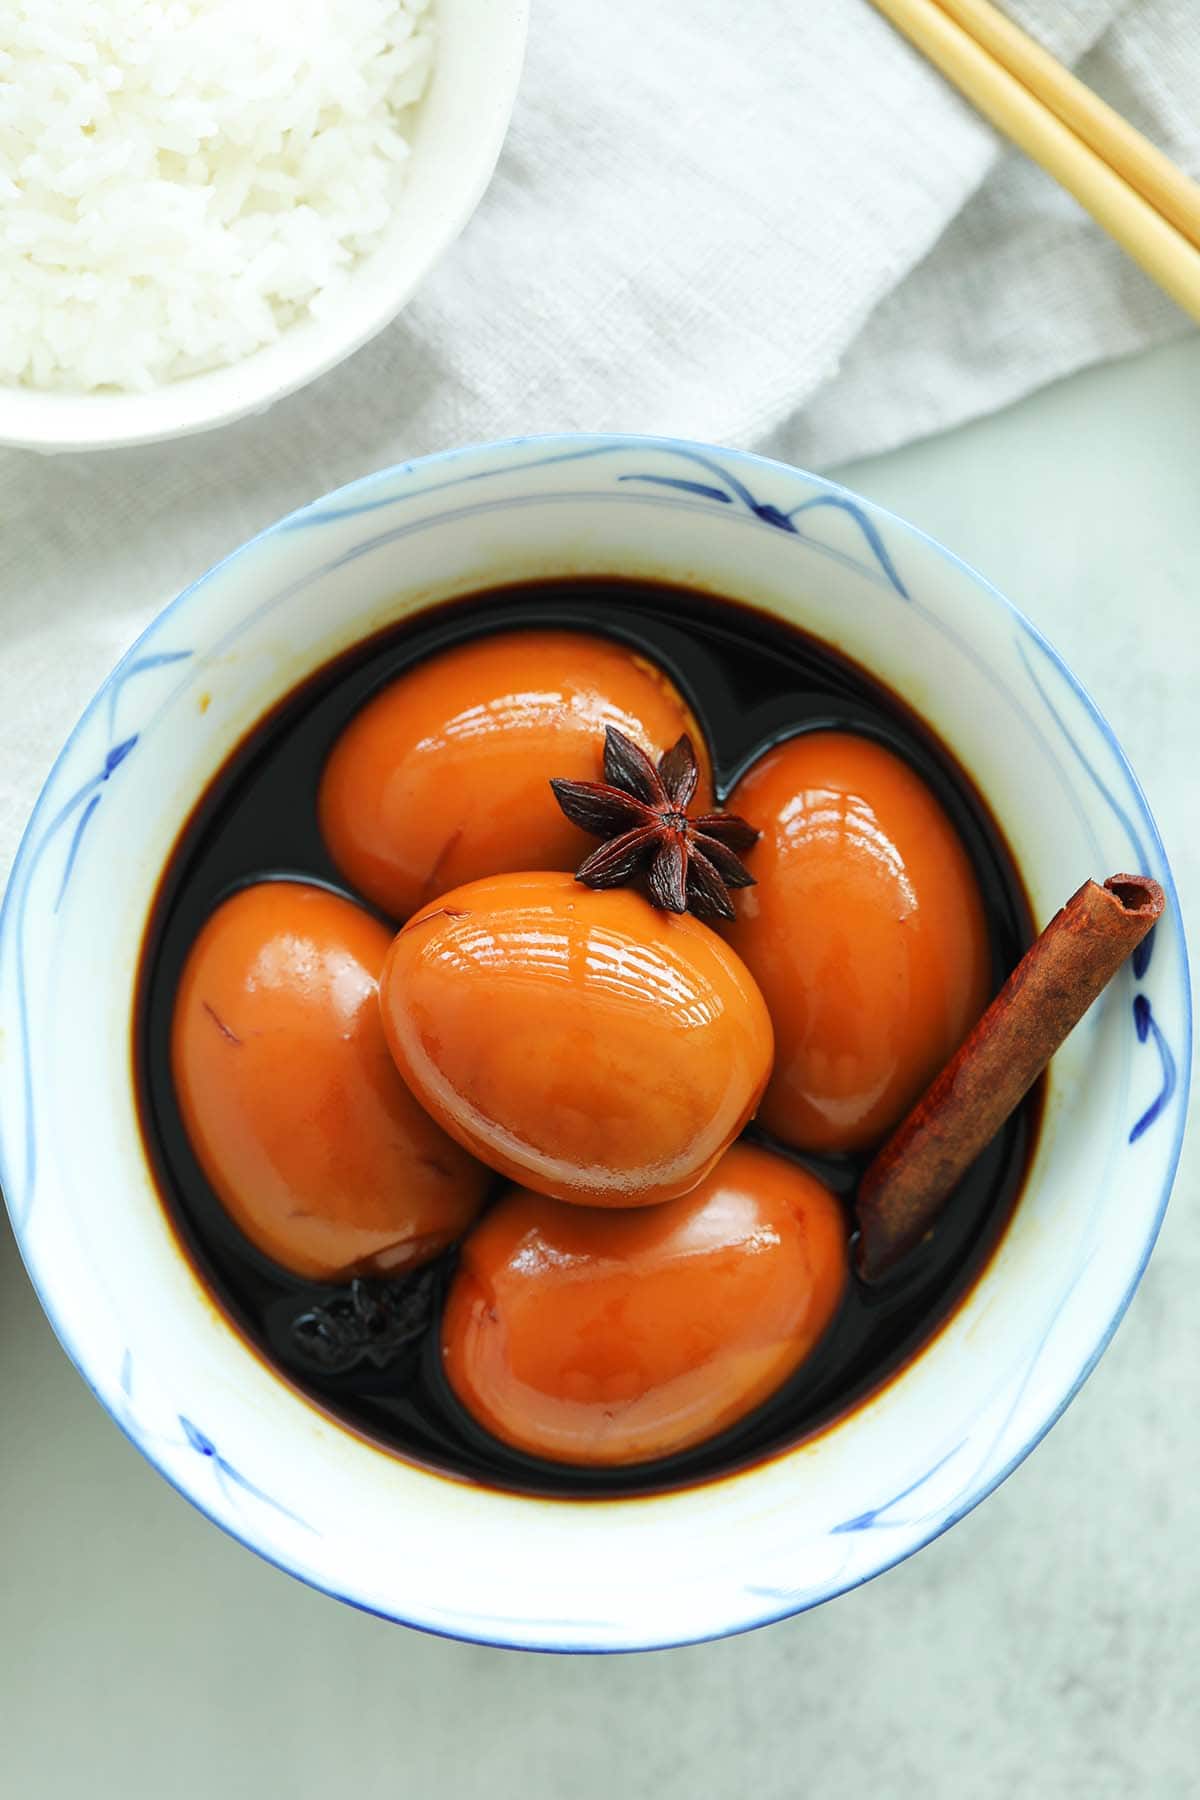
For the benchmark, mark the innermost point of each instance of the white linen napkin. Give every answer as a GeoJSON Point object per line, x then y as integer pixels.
{"type": "Point", "coordinates": [769, 224]}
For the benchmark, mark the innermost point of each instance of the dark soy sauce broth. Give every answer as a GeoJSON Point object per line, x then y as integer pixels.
{"type": "Point", "coordinates": [751, 681]}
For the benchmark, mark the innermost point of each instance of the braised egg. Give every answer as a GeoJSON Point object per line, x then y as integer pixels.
{"type": "Point", "coordinates": [598, 1337]}
{"type": "Point", "coordinates": [866, 934]}
{"type": "Point", "coordinates": [582, 1043]}
{"type": "Point", "coordinates": [295, 1111]}
{"type": "Point", "coordinates": [445, 775]}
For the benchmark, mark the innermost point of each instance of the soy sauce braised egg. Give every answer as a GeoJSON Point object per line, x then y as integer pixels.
{"type": "Point", "coordinates": [866, 932]}
{"type": "Point", "coordinates": [443, 777]}
{"type": "Point", "coordinates": [583, 1043]}
{"type": "Point", "coordinates": [605, 1338]}
{"type": "Point", "coordinates": [307, 1134]}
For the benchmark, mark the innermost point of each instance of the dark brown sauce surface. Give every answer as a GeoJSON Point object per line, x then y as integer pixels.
{"type": "Point", "coordinates": [751, 681]}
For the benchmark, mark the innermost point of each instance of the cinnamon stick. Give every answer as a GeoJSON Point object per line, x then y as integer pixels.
{"type": "Point", "coordinates": [1077, 955]}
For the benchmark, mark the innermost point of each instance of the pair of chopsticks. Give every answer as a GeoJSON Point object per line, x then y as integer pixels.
{"type": "Point", "coordinates": [1146, 204]}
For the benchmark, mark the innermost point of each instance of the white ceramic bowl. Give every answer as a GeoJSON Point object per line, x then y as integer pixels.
{"type": "Point", "coordinates": [248, 1450]}
{"type": "Point", "coordinates": [456, 138]}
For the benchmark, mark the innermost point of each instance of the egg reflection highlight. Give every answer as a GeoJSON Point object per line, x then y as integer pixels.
{"type": "Point", "coordinates": [604, 1338]}
{"type": "Point", "coordinates": [443, 777]}
{"type": "Point", "coordinates": [582, 1043]}
{"type": "Point", "coordinates": [866, 933]}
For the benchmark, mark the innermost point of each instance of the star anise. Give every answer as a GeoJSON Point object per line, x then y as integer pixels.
{"type": "Point", "coordinates": [368, 1321]}
{"type": "Point", "coordinates": [688, 864]}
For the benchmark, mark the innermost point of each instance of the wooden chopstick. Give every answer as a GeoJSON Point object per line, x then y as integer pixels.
{"type": "Point", "coordinates": [1156, 245]}
{"type": "Point", "coordinates": [1175, 195]}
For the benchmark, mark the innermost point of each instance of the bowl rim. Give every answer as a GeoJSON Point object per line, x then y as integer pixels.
{"type": "Point", "coordinates": [48, 419]}
{"type": "Point", "coordinates": [570, 442]}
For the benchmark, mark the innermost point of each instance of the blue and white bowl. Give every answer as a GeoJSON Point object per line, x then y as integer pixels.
{"type": "Point", "coordinates": [261, 1461]}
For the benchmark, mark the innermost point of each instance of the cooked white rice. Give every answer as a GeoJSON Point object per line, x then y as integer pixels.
{"type": "Point", "coordinates": [180, 180]}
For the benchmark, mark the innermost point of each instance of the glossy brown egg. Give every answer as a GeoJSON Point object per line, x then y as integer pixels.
{"type": "Point", "coordinates": [581, 1043]}
{"type": "Point", "coordinates": [866, 933]}
{"type": "Point", "coordinates": [601, 1338]}
{"type": "Point", "coordinates": [295, 1111]}
{"type": "Point", "coordinates": [444, 776]}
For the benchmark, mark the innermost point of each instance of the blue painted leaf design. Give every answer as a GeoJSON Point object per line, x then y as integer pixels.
{"type": "Point", "coordinates": [1146, 1027]}
{"type": "Point", "coordinates": [867, 1521]}
{"type": "Point", "coordinates": [77, 812]}
{"type": "Point", "coordinates": [1141, 860]}
{"type": "Point", "coordinates": [699, 488]}
{"type": "Point", "coordinates": [866, 525]}
{"type": "Point", "coordinates": [196, 1438]}
{"type": "Point", "coordinates": [226, 1473]}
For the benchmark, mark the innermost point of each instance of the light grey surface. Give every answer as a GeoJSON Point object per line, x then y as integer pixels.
{"type": "Point", "coordinates": [1047, 1646]}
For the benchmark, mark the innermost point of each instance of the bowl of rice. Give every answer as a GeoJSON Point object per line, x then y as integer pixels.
{"type": "Point", "coordinates": [205, 204]}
